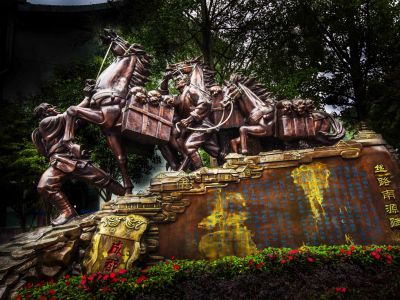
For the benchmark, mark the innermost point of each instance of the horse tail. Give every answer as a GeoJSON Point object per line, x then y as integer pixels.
{"type": "Point", "coordinates": [335, 132]}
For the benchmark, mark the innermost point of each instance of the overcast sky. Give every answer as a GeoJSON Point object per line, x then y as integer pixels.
{"type": "Point", "coordinates": [66, 2]}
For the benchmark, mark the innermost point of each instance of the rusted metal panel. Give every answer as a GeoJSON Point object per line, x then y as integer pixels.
{"type": "Point", "coordinates": [331, 200]}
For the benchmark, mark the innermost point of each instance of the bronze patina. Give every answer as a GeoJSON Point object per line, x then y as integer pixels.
{"type": "Point", "coordinates": [64, 162]}
{"type": "Point", "coordinates": [178, 124]}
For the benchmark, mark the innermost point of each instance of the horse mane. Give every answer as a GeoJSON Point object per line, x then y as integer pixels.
{"type": "Point", "coordinates": [141, 73]}
{"type": "Point", "coordinates": [257, 88]}
{"type": "Point", "coordinates": [208, 73]}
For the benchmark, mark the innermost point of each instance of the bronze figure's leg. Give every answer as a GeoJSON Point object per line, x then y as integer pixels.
{"type": "Point", "coordinates": [49, 188]}
{"type": "Point", "coordinates": [192, 144]}
{"type": "Point", "coordinates": [96, 176]}
{"type": "Point", "coordinates": [113, 137]}
{"type": "Point", "coordinates": [212, 147]}
{"type": "Point", "coordinates": [234, 144]}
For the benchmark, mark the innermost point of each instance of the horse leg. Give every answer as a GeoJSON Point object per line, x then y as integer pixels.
{"type": "Point", "coordinates": [257, 130]}
{"type": "Point", "coordinates": [234, 144]}
{"type": "Point", "coordinates": [167, 153]}
{"type": "Point", "coordinates": [74, 112]}
{"type": "Point", "coordinates": [114, 142]}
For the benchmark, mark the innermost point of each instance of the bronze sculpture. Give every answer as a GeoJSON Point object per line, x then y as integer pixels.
{"type": "Point", "coordinates": [179, 124]}
{"type": "Point", "coordinates": [286, 120]}
{"type": "Point", "coordinates": [103, 104]}
{"type": "Point", "coordinates": [64, 163]}
{"type": "Point", "coordinates": [193, 126]}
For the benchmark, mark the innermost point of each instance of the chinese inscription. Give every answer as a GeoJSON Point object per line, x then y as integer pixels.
{"type": "Point", "coordinates": [383, 177]}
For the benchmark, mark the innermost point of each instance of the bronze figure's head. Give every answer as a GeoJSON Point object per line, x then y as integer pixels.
{"type": "Point", "coordinates": [44, 110]}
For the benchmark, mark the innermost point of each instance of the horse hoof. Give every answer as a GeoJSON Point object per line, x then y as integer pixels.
{"type": "Point", "coordinates": [244, 152]}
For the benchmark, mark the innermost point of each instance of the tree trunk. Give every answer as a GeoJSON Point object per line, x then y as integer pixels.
{"type": "Point", "coordinates": [206, 48]}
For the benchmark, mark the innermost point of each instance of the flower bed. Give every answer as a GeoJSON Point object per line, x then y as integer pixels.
{"type": "Point", "coordinates": [308, 272]}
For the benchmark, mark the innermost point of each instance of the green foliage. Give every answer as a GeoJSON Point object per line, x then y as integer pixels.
{"type": "Point", "coordinates": [20, 163]}
{"type": "Point", "coordinates": [170, 277]}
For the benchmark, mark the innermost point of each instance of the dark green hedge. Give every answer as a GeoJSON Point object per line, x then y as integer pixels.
{"type": "Point", "coordinates": [324, 272]}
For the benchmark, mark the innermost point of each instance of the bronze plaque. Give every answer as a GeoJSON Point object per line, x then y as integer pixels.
{"type": "Point", "coordinates": [116, 244]}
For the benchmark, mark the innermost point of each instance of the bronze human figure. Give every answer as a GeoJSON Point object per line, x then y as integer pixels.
{"type": "Point", "coordinates": [194, 128]}
{"type": "Point", "coordinates": [103, 104]}
{"type": "Point", "coordinates": [65, 162]}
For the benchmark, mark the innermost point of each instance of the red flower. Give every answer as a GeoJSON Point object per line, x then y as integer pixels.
{"type": "Point", "coordinates": [122, 279]}
{"type": "Point", "coordinates": [294, 251]}
{"type": "Point", "coordinates": [176, 267]}
{"type": "Point", "coordinates": [283, 261]}
{"type": "Point", "coordinates": [67, 276]}
{"type": "Point", "coordinates": [389, 248]}
{"type": "Point", "coordinates": [389, 258]}
{"type": "Point", "coordinates": [167, 262]}
{"type": "Point", "coordinates": [18, 297]}
{"type": "Point", "coordinates": [42, 297]}
{"type": "Point", "coordinates": [173, 257]}
{"type": "Point", "coordinates": [29, 285]}
{"type": "Point", "coordinates": [341, 289]}
{"type": "Point", "coordinates": [52, 298]}
{"type": "Point", "coordinates": [342, 250]}
{"type": "Point", "coordinates": [310, 259]}
{"type": "Point", "coordinates": [364, 248]}
{"type": "Point", "coordinates": [105, 277]}
{"type": "Point", "coordinates": [378, 250]}
{"type": "Point", "coordinates": [352, 248]}
{"type": "Point", "coordinates": [105, 289]}
{"type": "Point", "coordinates": [258, 266]}
{"type": "Point", "coordinates": [67, 283]}
{"type": "Point", "coordinates": [376, 255]}
{"type": "Point", "coordinates": [290, 257]}
{"type": "Point", "coordinates": [91, 277]}
{"type": "Point", "coordinates": [52, 292]}
{"type": "Point", "coordinates": [251, 261]}
{"type": "Point", "coordinates": [114, 280]}
{"type": "Point", "coordinates": [349, 252]}
{"type": "Point", "coordinates": [141, 279]}
{"type": "Point", "coordinates": [122, 271]}
{"type": "Point", "coordinates": [113, 275]}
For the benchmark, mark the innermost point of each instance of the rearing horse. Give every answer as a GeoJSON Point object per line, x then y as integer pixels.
{"type": "Point", "coordinates": [103, 106]}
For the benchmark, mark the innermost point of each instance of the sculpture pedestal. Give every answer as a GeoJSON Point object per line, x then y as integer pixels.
{"type": "Point", "coordinates": [347, 193]}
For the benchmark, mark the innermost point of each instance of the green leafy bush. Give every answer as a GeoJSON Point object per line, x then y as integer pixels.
{"type": "Point", "coordinates": [308, 272]}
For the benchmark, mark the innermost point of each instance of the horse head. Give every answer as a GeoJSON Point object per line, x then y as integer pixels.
{"type": "Point", "coordinates": [231, 91]}
{"type": "Point", "coordinates": [119, 46]}
{"type": "Point", "coordinates": [192, 72]}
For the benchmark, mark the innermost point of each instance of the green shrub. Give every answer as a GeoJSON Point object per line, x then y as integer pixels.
{"type": "Point", "coordinates": [308, 272]}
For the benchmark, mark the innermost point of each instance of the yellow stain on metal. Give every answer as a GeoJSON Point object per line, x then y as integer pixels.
{"type": "Point", "coordinates": [228, 234]}
{"type": "Point", "coordinates": [349, 239]}
{"type": "Point", "coordinates": [313, 179]}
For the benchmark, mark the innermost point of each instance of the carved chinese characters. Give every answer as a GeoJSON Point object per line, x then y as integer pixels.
{"type": "Point", "coordinates": [116, 244]}
{"type": "Point", "coordinates": [383, 177]}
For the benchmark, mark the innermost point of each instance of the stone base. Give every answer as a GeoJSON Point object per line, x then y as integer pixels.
{"type": "Point", "coordinates": [346, 193]}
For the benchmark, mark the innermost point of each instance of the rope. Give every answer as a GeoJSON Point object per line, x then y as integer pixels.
{"type": "Point", "coordinates": [104, 59]}
{"type": "Point", "coordinates": [220, 123]}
